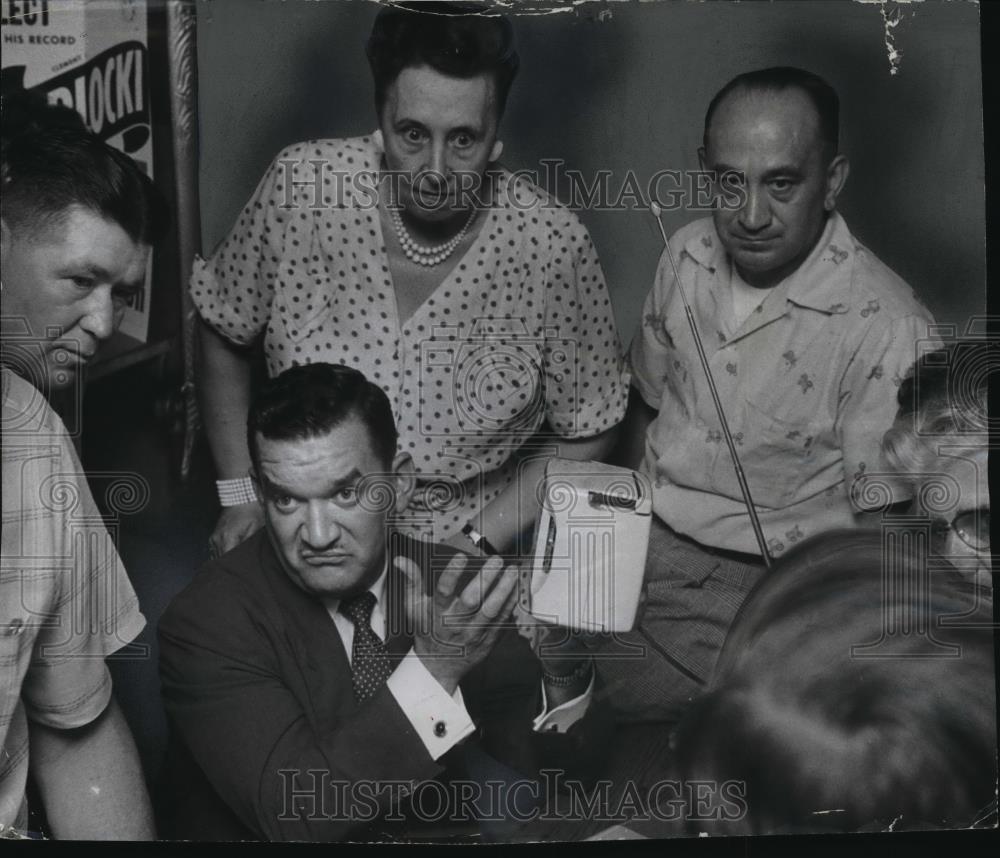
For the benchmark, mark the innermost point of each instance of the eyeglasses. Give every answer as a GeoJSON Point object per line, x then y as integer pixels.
{"type": "Point", "coordinates": [971, 526]}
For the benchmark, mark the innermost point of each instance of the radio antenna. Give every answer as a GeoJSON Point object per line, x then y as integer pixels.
{"type": "Point", "coordinates": [740, 476]}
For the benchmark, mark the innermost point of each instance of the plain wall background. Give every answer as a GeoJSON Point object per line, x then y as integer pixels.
{"type": "Point", "coordinates": [624, 86]}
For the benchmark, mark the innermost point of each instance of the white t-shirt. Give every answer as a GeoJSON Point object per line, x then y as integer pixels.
{"type": "Point", "coordinates": [746, 298]}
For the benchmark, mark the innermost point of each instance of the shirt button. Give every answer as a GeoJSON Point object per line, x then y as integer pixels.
{"type": "Point", "coordinates": [15, 627]}
{"type": "Point", "coordinates": [440, 729]}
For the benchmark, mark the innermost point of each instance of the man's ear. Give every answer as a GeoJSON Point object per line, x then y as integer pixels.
{"type": "Point", "coordinates": [378, 140]}
{"type": "Point", "coordinates": [496, 151]}
{"type": "Point", "coordinates": [701, 159]}
{"type": "Point", "coordinates": [405, 478]}
{"type": "Point", "coordinates": [252, 473]}
{"type": "Point", "coordinates": [836, 178]}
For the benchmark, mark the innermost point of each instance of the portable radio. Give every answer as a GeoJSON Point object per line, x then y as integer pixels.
{"type": "Point", "coordinates": [590, 547]}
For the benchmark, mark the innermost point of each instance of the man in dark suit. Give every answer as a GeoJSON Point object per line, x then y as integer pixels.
{"type": "Point", "coordinates": [322, 676]}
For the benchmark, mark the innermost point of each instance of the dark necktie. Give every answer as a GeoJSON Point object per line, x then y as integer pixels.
{"type": "Point", "coordinates": [370, 662]}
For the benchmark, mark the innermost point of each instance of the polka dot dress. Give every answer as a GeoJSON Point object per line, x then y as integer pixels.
{"type": "Point", "coordinates": [520, 332]}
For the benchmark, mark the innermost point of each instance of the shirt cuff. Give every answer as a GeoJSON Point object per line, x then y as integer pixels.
{"type": "Point", "coordinates": [441, 720]}
{"type": "Point", "coordinates": [560, 719]}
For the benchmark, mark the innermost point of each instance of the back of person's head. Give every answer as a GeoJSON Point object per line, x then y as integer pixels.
{"type": "Point", "coordinates": [942, 399]}
{"type": "Point", "coordinates": [310, 400]}
{"type": "Point", "coordinates": [50, 162]}
{"type": "Point", "coordinates": [844, 701]}
{"type": "Point", "coordinates": [780, 79]}
{"type": "Point", "coordinates": [456, 39]}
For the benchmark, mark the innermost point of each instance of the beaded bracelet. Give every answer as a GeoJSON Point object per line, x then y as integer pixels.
{"type": "Point", "coordinates": [236, 492]}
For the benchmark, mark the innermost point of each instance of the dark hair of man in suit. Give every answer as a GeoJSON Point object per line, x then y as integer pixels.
{"type": "Point", "coordinates": [835, 723]}
{"type": "Point", "coordinates": [778, 79]}
{"type": "Point", "coordinates": [52, 162]}
{"type": "Point", "coordinates": [456, 39]}
{"type": "Point", "coordinates": [310, 400]}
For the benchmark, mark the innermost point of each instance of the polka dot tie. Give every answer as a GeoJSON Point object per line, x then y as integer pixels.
{"type": "Point", "coordinates": [370, 663]}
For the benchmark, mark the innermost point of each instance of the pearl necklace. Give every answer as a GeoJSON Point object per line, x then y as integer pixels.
{"type": "Point", "coordinates": [426, 255]}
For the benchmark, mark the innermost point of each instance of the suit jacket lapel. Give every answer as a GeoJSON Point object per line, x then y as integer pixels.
{"type": "Point", "coordinates": [314, 641]}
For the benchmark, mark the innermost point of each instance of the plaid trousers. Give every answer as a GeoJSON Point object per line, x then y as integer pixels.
{"type": "Point", "coordinates": [691, 594]}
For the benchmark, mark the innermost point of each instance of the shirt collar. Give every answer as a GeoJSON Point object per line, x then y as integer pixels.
{"type": "Point", "coordinates": [821, 282]}
{"type": "Point", "coordinates": [377, 590]}
{"type": "Point", "coordinates": [705, 248]}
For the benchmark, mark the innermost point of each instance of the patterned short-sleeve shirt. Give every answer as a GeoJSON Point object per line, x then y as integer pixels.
{"type": "Point", "coordinates": [808, 382]}
{"type": "Point", "coordinates": [65, 600]}
{"type": "Point", "coordinates": [519, 333]}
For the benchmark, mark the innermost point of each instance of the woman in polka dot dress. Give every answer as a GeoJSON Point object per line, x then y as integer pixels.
{"type": "Point", "coordinates": [471, 297]}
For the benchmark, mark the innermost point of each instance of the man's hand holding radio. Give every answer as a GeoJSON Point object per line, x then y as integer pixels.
{"type": "Point", "coordinates": [456, 625]}
{"type": "Point", "coordinates": [567, 663]}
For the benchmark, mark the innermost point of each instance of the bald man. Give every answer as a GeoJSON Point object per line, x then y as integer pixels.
{"type": "Point", "coordinates": [808, 336]}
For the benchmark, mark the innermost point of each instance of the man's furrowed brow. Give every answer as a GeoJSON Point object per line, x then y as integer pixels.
{"type": "Point", "coordinates": [783, 172]}
{"type": "Point", "coordinates": [91, 269]}
{"type": "Point", "coordinates": [348, 479]}
{"type": "Point", "coordinates": [787, 171]}
{"type": "Point", "coordinates": [273, 487]}
{"type": "Point", "coordinates": [472, 130]}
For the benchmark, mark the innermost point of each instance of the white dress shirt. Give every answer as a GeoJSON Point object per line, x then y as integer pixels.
{"type": "Point", "coordinates": [440, 719]}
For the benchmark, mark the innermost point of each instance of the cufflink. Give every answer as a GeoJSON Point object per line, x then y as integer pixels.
{"type": "Point", "coordinates": [440, 729]}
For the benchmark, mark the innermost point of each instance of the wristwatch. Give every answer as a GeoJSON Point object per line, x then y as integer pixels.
{"type": "Point", "coordinates": [564, 680]}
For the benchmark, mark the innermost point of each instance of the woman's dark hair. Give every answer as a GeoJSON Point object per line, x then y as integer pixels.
{"type": "Point", "coordinates": [310, 400]}
{"type": "Point", "coordinates": [456, 39]}
{"type": "Point", "coordinates": [855, 690]}
{"type": "Point", "coordinates": [51, 162]}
